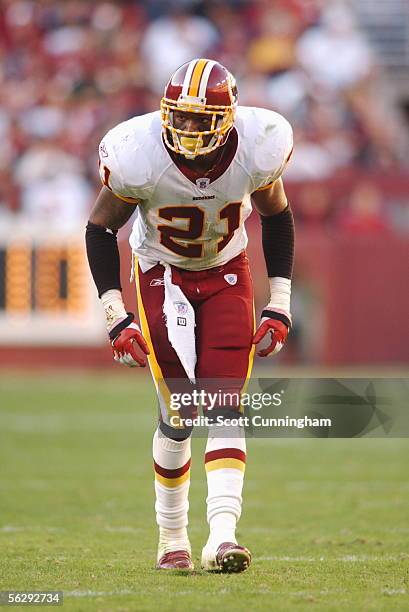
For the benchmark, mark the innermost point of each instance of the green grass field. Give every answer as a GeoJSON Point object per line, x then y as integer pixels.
{"type": "Point", "coordinates": [326, 520]}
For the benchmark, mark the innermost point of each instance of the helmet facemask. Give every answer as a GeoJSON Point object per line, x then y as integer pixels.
{"type": "Point", "coordinates": [191, 144]}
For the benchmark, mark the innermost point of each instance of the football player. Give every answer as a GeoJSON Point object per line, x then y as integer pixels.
{"type": "Point", "coordinates": [191, 172]}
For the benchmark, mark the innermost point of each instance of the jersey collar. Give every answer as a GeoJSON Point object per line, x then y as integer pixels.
{"type": "Point", "coordinates": [227, 154]}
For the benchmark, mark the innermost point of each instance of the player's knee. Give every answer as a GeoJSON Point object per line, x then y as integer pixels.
{"type": "Point", "coordinates": [175, 434]}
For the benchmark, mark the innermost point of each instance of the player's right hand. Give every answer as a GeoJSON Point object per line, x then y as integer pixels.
{"type": "Point", "coordinates": [128, 345]}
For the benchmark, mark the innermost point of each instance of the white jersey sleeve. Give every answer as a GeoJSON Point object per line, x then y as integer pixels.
{"type": "Point", "coordinates": [123, 165]}
{"type": "Point", "coordinates": [271, 145]}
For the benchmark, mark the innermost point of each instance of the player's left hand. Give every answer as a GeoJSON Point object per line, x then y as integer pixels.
{"type": "Point", "coordinates": [278, 325]}
{"type": "Point", "coordinates": [128, 345]}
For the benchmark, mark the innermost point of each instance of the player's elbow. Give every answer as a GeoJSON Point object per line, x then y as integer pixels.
{"type": "Point", "coordinates": [270, 201]}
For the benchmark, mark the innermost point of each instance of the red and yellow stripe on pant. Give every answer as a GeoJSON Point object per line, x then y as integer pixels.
{"type": "Point", "coordinates": [223, 458]}
{"type": "Point", "coordinates": [172, 478]}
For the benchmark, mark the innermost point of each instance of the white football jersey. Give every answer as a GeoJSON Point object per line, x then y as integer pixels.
{"type": "Point", "coordinates": [198, 224]}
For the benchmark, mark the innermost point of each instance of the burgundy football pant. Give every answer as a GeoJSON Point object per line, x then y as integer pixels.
{"type": "Point", "coordinates": [224, 312]}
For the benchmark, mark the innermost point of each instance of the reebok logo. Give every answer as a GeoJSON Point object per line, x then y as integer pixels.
{"type": "Point", "coordinates": [156, 282]}
{"type": "Point", "coordinates": [103, 150]}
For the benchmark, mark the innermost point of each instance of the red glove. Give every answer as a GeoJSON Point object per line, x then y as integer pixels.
{"type": "Point", "coordinates": [128, 345]}
{"type": "Point", "coordinates": [278, 325]}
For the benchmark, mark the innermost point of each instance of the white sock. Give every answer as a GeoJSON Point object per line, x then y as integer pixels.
{"type": "Point", "coordinates": [172, 539]}
{"type": "Point", "coordinates": [172, 480]}
{"type": "Point", "coordinates": [225, 464]}
{"type": "Point", "coordinates": [222, 528]}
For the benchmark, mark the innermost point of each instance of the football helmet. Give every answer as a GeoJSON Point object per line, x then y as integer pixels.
{"type": "Point", "coordinates": [200, 86]}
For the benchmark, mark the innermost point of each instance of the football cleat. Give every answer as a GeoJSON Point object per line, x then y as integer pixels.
{"type": "Point", "coordinates": [175, 560]}
{"type": "Point", "coordinates": [229, 558]}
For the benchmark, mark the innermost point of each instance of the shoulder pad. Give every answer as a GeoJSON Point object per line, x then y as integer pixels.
{"type": "Point", "coordinates": [125, 155]}
{"type": "Point", "coordinates": [269, 139]}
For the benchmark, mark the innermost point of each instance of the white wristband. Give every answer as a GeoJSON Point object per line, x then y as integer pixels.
{"type": "Point", "coordinates": [280, 294]}
{"type": "Point", "coordinates": [114, 307]}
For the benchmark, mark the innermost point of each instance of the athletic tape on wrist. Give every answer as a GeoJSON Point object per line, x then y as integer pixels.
{"type": "Point", "coordinates": [115, 331]}
{"type": "Point", "coordinates": [278, 316]}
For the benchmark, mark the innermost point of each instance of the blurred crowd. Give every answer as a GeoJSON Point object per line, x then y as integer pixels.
{"type": "Point", "coordinates": [70, 70]}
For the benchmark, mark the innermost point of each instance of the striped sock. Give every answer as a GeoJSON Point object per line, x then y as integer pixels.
{"type": "Point", "coordinates": [172, 479]}
{"type": "Point", "coordinates": [225, 462]}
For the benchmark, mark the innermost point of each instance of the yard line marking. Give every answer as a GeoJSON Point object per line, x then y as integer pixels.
{"type": "Point", "coordinates": [285, 558]}
{"type": "Point", "coordinates": [341, 533]}
{"type": "Point", "coordinates": [312, 592]}
{"type": "Point", "coordinates": [109, 528]}
{"type": "Point", "coordinates": [123, 529]}
{"type": "Point", "coordinates": [342, 559]}
{"type": "Point", "coordinates": [271, 529]}
{"type": "Point", "coordinates": [100, 593]}
{"type": "Point", "coordinates": [14, 528]}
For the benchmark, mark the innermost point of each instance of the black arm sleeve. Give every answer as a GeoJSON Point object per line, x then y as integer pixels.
{"type": "Point", "coordinates": [103, 257]}
{"type": "Point", "coordinates": [277, 232]}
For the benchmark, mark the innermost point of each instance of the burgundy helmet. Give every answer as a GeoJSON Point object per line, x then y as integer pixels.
{"type": "Point", "coordinates": [200, 86]}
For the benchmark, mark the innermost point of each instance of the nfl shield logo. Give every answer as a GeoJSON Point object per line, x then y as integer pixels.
{"type": "Point", "coordinates": [202, 183]}
{"type": "Point", "coordinates": [180, 307]}
{"type": "Point", "coordinates": [231, 278]}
